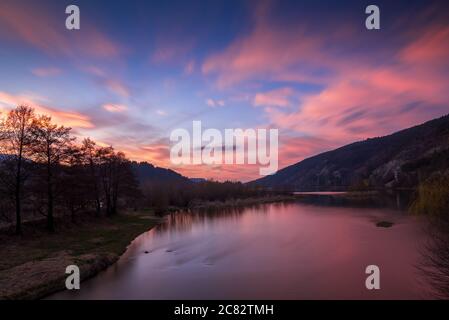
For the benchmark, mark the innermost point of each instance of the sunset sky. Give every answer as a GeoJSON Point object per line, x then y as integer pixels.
{"type": "Point", "coordinates": [139, 69]}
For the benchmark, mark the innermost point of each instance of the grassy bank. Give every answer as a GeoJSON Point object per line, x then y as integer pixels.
{"type": "Point", "coordinates": [33, 266]}
{"type": "Point", "coordinates": [433, 197]}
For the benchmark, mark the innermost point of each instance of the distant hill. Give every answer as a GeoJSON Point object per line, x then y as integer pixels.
{"type": "Point", "coordinates": [147, 173]}
{"type": "Point", "coordinates": [398, 160]}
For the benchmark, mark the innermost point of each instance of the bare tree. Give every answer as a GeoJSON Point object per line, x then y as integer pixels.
{"type": "Point", "coordinates": [42, 171]}
{"type": "Point", "coordinates": [117, 178]}
{"type": "Point", "coordinates": [50, 148]}
{"type": "Point", "coordinates": [74, 184]}
{"type": "Point", "coordinates": [106, 156]}
{"type": "Point", "coordinates": [124, 183]}
{"type": "Point", "coordinates": [90, 155]}
{"type": "Point", "coordinates": [16, 140]}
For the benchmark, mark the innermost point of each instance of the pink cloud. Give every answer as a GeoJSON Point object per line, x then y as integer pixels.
{"type": "Point", "coordinates": [361, 96]}
{"type": "Point", "coordinates": [189, 67]}
{"type": "Point", "coordinates": [357, 107]}
{"type": "Point", "coordinates": [111, 82]}
{"type": "Point", "coordinates": [274, 98]}
{"type": "Point", "coordinates": [430, 48]}
{"type": "Point", "coordinates": [95, 71]}
{"type": "Point", "coordinates": [117, 87]}
{"type": "Point", "coordinates": [357, 102]}
{"type": "Point", "coordinates": [67, 118]}
{"type": "Point", "coordinates": [377, 100]}
{"type": "Point", "coordinates": [158, 153]}
{"type": "Point", "coordinates": [31, 23]}
{"type": "Point", "coordinates": [293, 149]}
{"type": "Point", "coordinates": [215, 103]}
{"type": "Point", "coordinates": [219, 172]}
{"type": "Point", "coordinates": [268, 53]}
{"type": "Point", "coordinates": [115, 107]}
{"type": "Point", "coordinates": [171, 49]}
{"type": "Point", "coordinates": [99, 45]}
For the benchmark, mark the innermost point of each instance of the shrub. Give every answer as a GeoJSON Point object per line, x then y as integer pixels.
{"type": "Point", "coordinates": [433, 196]}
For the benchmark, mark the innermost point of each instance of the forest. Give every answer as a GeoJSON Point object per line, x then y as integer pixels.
{"type": "Point", "coordinates": [47, 174]}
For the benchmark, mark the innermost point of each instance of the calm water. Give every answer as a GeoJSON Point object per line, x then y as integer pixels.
{"type": "Point", "coordinates": [276, 251]}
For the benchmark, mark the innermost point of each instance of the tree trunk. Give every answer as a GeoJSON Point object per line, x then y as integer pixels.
{"type": "Point", "coordinates": [95, 184]}
{"type": "Point", "coordinates": [108, 206]}
{"type": "Point", "coordinates": [50, 219]}
{"type": "Point", "coordinates": [18, 208]}
{"type": "Point", "coordinates": [72, 213]}
{"type": "Point", "coordinates": [18, 195]}
{"type": "Point", "coordinates": [98, 207]}
{"type": "Point", "coordinates": [114, 198]}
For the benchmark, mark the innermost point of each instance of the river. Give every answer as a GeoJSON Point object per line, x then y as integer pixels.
{"type": "Point", "coordinates": [274, 251]}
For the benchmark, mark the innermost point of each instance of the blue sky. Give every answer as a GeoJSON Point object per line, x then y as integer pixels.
{"type": "Point", "coordinates": [138, 69]}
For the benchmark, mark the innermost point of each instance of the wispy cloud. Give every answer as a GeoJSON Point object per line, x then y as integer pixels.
{"type": "Point", "coordinates": [117, 87]}
{"type": "Point", "coordinates": [30, 22]}
{"type": "Point", "coordinates": [67, 118]}
{"type": "Point", "coordinates": [46, 72]}
{"type": "Point", "coordinates": [274, 98]}
{"type": "Point", "coordinates": [359, 94]}
{"type": "Point", "coordinates": [189, 67]}
{"type": "Point", "coordinates": [161, 113]}
{"type": "Point", "coordinates": [215, 103]}
{"type": "Point", "coordinates": [374, 100]}
{"type": "Point", "coordinates": [115, 107]}
{"type": "Point", "coordinates": [112, 83]}
{"type": "Point", "coordinates": [171, 49]}
{"type": "Point", "coordinates": [268, 53]}
{"type": "Point", "coordinates": [95, 71]}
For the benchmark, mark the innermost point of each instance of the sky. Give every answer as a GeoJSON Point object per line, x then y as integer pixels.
{"type": "Point", "coordinates": [137, 70]}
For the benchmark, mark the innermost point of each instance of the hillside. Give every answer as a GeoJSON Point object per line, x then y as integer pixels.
{"type": "Point", "coordinates": [401, 159]}
{"type": "Point", "coordinates": [147, 173]}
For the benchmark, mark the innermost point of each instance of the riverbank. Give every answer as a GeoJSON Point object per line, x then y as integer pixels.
{"type": "Point", "coordinates": [206, 205]}
{"type": "Point", "coordinates": [33, 266]}
{"type": "Point", "coordinates": [393, 199]}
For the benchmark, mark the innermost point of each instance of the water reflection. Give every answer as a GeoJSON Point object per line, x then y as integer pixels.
{"type": "Point", "coordinates": [276, 251]}
{"type": "Point", "coordinates": [399, 200]}
{"type": "Point", "coordinates": [184, 220]}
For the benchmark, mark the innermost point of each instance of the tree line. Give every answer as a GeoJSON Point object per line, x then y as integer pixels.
{"type": "Point", "coordinates": [45, 172]}
{"type": "Point", "coordinates": [162, 195]}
